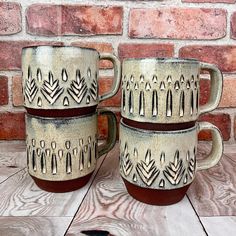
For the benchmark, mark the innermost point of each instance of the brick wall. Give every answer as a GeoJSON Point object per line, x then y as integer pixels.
{"type": "Point", "coordinates": [204, 29]}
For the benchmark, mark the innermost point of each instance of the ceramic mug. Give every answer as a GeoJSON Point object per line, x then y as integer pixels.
{"type": "Point", "coordinates": [158, 166]}
{"type": "Point", "coordinates": [166, 91]}
{"type": "Point", "coordinates": [63, 80]}
{"type": "Point", "coordinates": [62, 152]}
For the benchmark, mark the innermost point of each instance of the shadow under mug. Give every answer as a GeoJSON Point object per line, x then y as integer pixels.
{"type": "Point", "coordinates": [62, 81]}
{"type": "Point", "coordinates": [166, 91]}
{"type": "Point", "coordinates": [62, 153]}
{"type": "Point", "coordinates": [159, 166]}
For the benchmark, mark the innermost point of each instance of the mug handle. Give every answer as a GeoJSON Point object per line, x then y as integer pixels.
{"type": "Point", "coordinates": [117, 74]}
{"type": "Point", "coordinates": [112, 127]}
{"type": "Point", "coordinates": [217, 147]}
{"type": "Point", "coordinates": [216, 79]}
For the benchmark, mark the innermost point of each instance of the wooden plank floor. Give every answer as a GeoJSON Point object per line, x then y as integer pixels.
{"type": "Point", "coordinates": [103, 206]}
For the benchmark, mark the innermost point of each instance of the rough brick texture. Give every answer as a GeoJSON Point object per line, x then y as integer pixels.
{"type": "Point", "coordinates": [52, 20]}
{"type": "Point", "coordinates": [100, 47]}
{"type": "Point", "coordinates": [17, 95]}
{"type": "Point", "coordinates": [105, 84]}
{"type": "Point", "coordinates": [10, 53]}
{"type": "Point", "coordinates": [233, 25]}
{"type": "Point", "coordinates": [10, 18]}
{"type": "Point", "coordinates": [178, 23]}
{"type": "Point", "coordinates": [221, 120]}
{"type": "Point", "coordinates": [223, 56]}
{"type": "Point", "coordinates": [12, 126]}
{"type": "Point", "coordinates": [3, 90]}
{"type": "Point", "coordinates": [139, 50]}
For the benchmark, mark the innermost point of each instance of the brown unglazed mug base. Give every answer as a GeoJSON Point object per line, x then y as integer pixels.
{"type": "Point", "coordinates": [62, 186]}
{"type": "Point", "coordinates": [62, 113]}
{"type": "Point", "coordinates": [159, 126]}
{"type": "Point", "coordinates": [154, 196]}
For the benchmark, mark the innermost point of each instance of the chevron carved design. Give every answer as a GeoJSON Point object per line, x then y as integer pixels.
{"type": "Point", "coordinates": [175, 170]}
{"type": "Point", "coordinates": [147, 170]}
{"type": "Point", "coordinates": [51, 89]}
{"type": "Point", "coordinates": [31, 88]}
{"type": "Point", "coordinates": [126, 163]}
{"type": "Point", "coordinates": [78, 88]}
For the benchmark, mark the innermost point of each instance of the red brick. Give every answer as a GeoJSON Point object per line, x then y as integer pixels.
{"type": "Point", "coordinates": [233, 25]}
{"type": "Point", "coordinates": [105, 84]}
{"type": "Point", "coordinates": [17, 95]}
{"type": "Point", "coordinates": [10, 52]}
{"type": "Point", "coordinates": [178, 23]}
{"type": "Point", "coordinates": [210, 1]}
{"type": "Point", "coordinates": [223, 56]}
{"type": "Point", "coordinates": [139, 50]}
{"type": "Point", "coordinates": [3, 90]}
{"type": "Point", "coordinates": [52, 20]}
{"type": "Point", "coordinates": [12, 126]}
{"type": "Point", "coordinates": [103, 128]}
{"type": "Point", "coordinates": [10, 18]}
{"type": "Point", "coordinates": [100, 47]}
{"type": "Point", "coordinates": [221, 120]}
{"type": "Point", "coordinates": [228, 98]}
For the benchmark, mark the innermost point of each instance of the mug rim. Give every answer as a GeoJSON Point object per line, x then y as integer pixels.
{"type": "Point", "coordinates": [164, 59]}
{"type": "Point", "coordinates": [157, 131]}
{"type": "Point", "coordinates": [57, 46]}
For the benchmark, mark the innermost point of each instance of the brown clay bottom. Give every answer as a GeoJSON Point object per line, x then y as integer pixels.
{"type": "Point", "coordinates": [154, 196]}
{"type": "Point", "coordinates": [158, 126]}
{"type": "Point", "coordinates": [62, 186]}
{"type": "Point", "coordinates": [62, 113]}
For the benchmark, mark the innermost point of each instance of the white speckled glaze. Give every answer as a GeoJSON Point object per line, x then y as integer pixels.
{"type": "Point", "coordinates": [166, 90]}
{"type": "Point", "coordinates": [165, 160]}
{"type": "Point", "coordinates": [56, 77]}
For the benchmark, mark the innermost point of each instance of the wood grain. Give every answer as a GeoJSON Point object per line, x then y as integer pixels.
{"type": "Point", "coordinates": [34, 226]}
{"type": "Point", "coordinates": [12, 160]}
{"type": "Point", "coordinates": [213, 191]}
{"type": "Point", "coordinates": [21, 197]}
{"type": "Point", "coordinates": [108, 207]}
{"type": "Point", "coordinates": [220, 226]}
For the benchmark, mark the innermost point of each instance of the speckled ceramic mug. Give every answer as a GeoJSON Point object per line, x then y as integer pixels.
{"type": "Point", "coordinates": [63, 80]}
{"type": "Point", "coordinates": [166, 91]}
{"type": "Point", "coordinates": [158, 166]}
{"type": "Point", "coordinates": [62, 152]}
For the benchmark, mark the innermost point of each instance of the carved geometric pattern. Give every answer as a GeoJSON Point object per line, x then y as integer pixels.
{"type": "Point", "coordinates": [126, 163]}
{"type": "Point", "coordinates": [31, 88]}
{"type": "Point", "coordinates": [147, 170]}
{"type": "Point", "coordinates": [48, 154]}
{"type": "Point", "coordinates": [51, 89]}
{"type": "Point", "coordinates": [175, 170]}
{"type": "Point", "coordinates": [78, 88]}
{"type": "Point", "coordinates": [178, 94]}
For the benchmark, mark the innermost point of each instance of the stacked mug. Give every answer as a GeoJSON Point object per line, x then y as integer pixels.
{"type": "Point", "coordinates": [60, 87]}
{"type": "Point", "coordinates": [159, 128]}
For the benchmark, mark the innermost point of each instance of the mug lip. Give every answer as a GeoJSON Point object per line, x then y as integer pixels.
{"type": "Point", "coordinates": [57, 46]}
{"type": "Point", "coordinates": [157, 131]}
{"type": "Point", "coordinates": [164, 59]}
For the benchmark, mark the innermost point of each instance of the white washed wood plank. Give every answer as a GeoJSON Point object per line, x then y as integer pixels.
{"type": "Point", "coordinates": [21, 197]}
{"type": "Point", "coordinates": [220, 226]}
{"type": "Point", "coordinates": [34, 226]}
{"type": "Point", "coordinates": [213, 191]}
{"type": "Point", "coordinates": [108, 207]}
